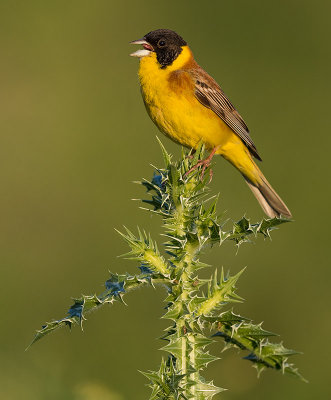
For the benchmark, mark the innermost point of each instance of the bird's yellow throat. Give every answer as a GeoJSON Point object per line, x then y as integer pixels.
{"type": "Point", "coordinates": [150, 66]}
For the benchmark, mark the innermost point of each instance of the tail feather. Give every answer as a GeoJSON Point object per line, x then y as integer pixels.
{"type": "Point", "coordinates": [240, 157]}
{"type": "Point", "coordinates": [269, 200]}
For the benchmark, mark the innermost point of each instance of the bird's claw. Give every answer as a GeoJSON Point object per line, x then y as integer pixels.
{"type": "Point", "coordinates": [204, 164]}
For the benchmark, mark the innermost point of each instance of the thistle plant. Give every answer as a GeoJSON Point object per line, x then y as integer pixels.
{"type": "Point", "coordinates": [198, 309]}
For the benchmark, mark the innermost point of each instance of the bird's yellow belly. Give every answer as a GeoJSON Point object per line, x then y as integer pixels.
{"type": "Point", "coordinates": [178, 113]}
{"type": "Point", "coordinates": [185, 120]}
{"type": "Point", "coordinates": [180, 116]}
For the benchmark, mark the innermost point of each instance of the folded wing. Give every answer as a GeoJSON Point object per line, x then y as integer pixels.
{"type": "Point", "coordinates": [209, 93]}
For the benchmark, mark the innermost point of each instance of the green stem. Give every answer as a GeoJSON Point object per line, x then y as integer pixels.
{"type": "Point", "coordinates": [181, 334]}
{"type": "Point", "coordinates": [185, 331]}
{"type": "Point", "coordinates": [194, 376]}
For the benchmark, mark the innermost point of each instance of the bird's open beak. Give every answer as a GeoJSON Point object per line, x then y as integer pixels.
{"type": "Point", "coordinates": [147, 48]}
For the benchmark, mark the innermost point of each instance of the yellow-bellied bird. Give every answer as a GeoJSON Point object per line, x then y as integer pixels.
{"type": "Point", "coordinates": [188, 106]}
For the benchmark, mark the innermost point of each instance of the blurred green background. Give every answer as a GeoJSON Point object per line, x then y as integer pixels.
{"type": "Point", "coordinates": [74, 135]}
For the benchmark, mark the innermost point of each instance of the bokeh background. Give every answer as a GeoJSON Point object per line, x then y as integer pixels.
{"type": "Point", "coordinates": [74, 135]}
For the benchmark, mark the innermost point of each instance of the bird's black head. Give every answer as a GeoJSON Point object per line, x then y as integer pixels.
{"type": "Point", "coordinates": [167, 45]}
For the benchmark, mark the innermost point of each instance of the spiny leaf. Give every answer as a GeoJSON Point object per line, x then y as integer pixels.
{"type": "Point", "coordinates": [220, 293]}
{"type": "Point", "coordinates": [202, 359]}
{"type": "Point", "coordinates": [227, 317]}
{"type": "Point", "coordinates": [166, 383]}
{"type": "Point", "coordinates": [263, 353]}
{"type": "Point", "coordinates": [116, 286]}
{"type": "Point", "coordinates": [174, 346]}
{"type": "Point", "coordinates": [144, 249]}
{"type": "Point", "coordinates": [207, 389]}
{"type": "Point", "coordinates": [243, 229]}
{"type": "Point", "coordinates": [166, 155]}
{"type": "Point", "coordinates": [267, 225]}
{"type": "Point", "coordinates": [175, 311]}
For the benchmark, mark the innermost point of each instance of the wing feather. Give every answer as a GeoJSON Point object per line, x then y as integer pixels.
{"type": "Point", "coordinates": [209, 93]}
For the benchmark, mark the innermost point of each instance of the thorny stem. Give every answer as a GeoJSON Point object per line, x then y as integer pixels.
{"type": "Point", "coordinates": [190, 225]}
{"type": "Point", "coordinates": [194, 376]}
{"type": "Point", "coordinates": [181, 327]}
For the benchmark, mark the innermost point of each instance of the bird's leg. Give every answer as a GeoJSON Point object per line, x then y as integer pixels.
{"type": "Point", "coordinates": [204, 164]}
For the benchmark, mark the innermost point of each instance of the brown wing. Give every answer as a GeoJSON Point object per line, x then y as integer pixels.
{"type": "Point", "coordinates": [212, 96]}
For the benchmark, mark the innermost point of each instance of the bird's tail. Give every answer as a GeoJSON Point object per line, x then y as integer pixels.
{"type": "Point", "coordinates": [240, 157]}
{"type": "Point", "coordinates": [269, 200]}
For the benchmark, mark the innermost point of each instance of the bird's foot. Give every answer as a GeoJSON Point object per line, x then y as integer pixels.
{"type": "Point", "coordinates": [204, 164]}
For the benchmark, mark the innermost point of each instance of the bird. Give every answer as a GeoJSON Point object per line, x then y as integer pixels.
{"type": "Point", "coordinates": [189, 107]}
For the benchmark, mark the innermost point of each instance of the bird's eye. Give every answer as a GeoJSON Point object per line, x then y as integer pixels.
{"type": "Point", "coordinates": [161, 43]}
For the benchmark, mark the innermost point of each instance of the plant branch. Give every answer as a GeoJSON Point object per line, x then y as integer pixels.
{"type": "Point", "coordinates": [195, 306]}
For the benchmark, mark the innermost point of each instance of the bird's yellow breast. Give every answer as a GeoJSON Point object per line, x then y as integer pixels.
{"type": "Point", "coordinates": [170, 101]}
